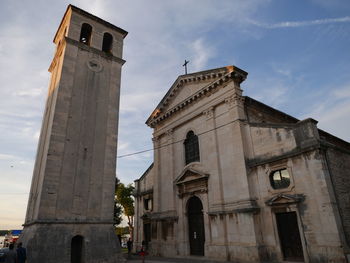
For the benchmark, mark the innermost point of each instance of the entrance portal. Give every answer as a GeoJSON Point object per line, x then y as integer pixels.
{"type": "Point", "coordinates": [289, 235]}
{"type": "Point", "coordinates": [195, 226]}
{"type": "Point", "coordinates": [77, 249]}
{"type": "Point", "coordinates": [147, 233]}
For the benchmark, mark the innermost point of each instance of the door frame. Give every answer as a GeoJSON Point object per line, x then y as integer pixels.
{"type": "Point", "coordinates": [290, 208]}
{"type": "Point", "coordinates": [188, 225]}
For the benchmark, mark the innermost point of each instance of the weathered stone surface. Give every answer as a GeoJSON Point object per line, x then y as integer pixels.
{"type": "Point", "coordinates": [241, 142]}
{"type": "Point", "coordinates": [72, 191]}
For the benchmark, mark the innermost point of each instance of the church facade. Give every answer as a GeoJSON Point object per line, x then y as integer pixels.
{"type": "Point", "coordinates": [234, 179]}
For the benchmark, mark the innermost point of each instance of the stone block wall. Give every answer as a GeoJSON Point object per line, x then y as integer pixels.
{"type": "Point", "coordinates": [339, 165]}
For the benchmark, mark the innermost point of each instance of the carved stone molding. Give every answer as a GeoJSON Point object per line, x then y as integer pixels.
{"type": "Point", "coordinates": [285, 199]}
{"type": "Point", "coordinates": [170, 133]}
{"type": "Point", "coordinates": [161, 216]}
{"type": "Point", "coordinates": [227, 75]}
{"type": "Point", "coordinates": [94, 65]}
{"type": "Point", "coordinates": [192, 181]}
{"type": "Point", "coordinates": [234, 100]}
{"type": "Point", "coordinates": [209, 113]}
{"type": "Point", "coordinates": [242, 206]}
{"type": "Point", "coordinates": [155, 139]}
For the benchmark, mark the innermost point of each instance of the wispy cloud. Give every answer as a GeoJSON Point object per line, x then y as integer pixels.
{"type": "Point", "coordinates": [201, 53]}
{"type": "Point", "coordinates": [331, 110]}
{"type": "Point", "coordinates": [301, 23]}
{"type": "Point", "coordinates": [161, 36]}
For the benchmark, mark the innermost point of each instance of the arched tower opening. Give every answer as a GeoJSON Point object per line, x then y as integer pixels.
{"type": "Point", "coordinates": [85, 34]}
{"type": "Point", "coordinates": [77, 246]}
{"type": "Point", "coordinates": [107, 43]}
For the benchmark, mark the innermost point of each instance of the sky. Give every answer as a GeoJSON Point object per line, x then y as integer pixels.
{"type": "Point", "coordinates": [297, 54]}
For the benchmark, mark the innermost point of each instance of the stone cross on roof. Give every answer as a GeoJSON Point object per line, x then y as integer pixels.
{"type": "Point", "coordinates": [185, 65]}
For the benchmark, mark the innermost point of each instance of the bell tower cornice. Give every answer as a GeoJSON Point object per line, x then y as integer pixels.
{"type": "Point", "coordinates": [84, 47]}
{"type": "Point", "coordinates": [72, 8]}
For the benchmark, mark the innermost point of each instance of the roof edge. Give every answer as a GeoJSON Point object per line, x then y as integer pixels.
{"type": "Point", "coordinates": [145, 173]}
{"type": "Point", "coordinates": [295, 120]}
{"type": "Point", "coordinates": [91, 16]}
{"type": "Point", "coordinates": [226, 69]}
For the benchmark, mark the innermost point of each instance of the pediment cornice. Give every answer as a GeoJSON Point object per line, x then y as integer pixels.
{"type": "Point", "coordinates": [192, 172]}
{"type": "Point", "coordinates": [220, 77]}
{"type": "Point", "coordinates": [285, 199]}
{"type": "Point", "coordinates": [193, 179]}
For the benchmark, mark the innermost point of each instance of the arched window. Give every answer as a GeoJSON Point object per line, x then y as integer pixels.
{"type": "Point", "coordinates": [191, 148]}
{"type": "Point", "coordinates": [107, 43]}
{"type": "Point", "coordinates": [77, 249]}
{"type": "Point", "coordinates": [85, 34]}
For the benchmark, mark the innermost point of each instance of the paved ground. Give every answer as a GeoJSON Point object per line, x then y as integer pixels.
{"type": "Point", "coordinates": [149, 259]}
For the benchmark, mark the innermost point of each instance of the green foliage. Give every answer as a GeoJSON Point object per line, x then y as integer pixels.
{"type": "Point", "coordinates": [117, 216]}
{"type": "Point", "coordinates": [121, 231]}
{"type": "Point", "coordinates": [118, 210]}
{"type": "Point", "coordinates": [124, 197]}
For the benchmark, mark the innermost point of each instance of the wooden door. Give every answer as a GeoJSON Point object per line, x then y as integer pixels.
{"type": "Point", "coordinates": [289, 235]}
{"type": "Point", "coordinates": [147, 232]}
{"type": "Point", "coordinates": [196, 226]}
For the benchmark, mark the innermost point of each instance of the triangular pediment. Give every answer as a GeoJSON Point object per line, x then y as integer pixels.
{"type": "Point", "coordinates": [285, 199]}
{"type": "Point", "coordinates": [186, 90]}
{"type": "Point", "coordinates": [191, 173]}
{"type": "Point", "coordinates": [191, 87]}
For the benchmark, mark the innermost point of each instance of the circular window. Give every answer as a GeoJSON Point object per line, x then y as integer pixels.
{"type": "Point", "coordinates": [94, 65]}
{"type": "Point", "coordinates": [280, 179]}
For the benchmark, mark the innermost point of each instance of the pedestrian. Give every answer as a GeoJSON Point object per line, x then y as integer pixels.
{"type": "Point", "coordinates": [129, 245]}
{"type": "Point", "coordinates": [142, 253]}
{"type": "Point", "coordinates": [21, 253]}
{"type": "Point", "coordinates": [11, 255]}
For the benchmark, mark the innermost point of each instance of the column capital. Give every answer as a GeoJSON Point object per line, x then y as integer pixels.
{"type": "Point", "coordinates": [155, 139]}
{"type": "Point", "coordinates": [170, 132]}
{"type": "Point", "coordinates": [235, 100]}
{"type": "Point", "coordinates": [209, 113]}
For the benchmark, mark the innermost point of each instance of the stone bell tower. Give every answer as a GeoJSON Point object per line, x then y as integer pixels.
{"type": "Point", "coordinates": [70, 209]}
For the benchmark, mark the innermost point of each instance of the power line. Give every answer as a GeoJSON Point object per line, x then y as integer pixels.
{"type": "Point", "coordinates": [4, 194]}
{"type": "Point", "coordinates": [148, 150]}
{"type": "Point", "coordinates": [168, 144]}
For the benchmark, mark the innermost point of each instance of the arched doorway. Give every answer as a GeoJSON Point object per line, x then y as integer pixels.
{"type": "Point", "coordinates": [77, 249]}
{"type": "Point", "coordinates": [196, 226]}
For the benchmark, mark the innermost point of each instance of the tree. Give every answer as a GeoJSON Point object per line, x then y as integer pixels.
{"type": "Point", "coordinates": [125, 198]}
{"type": "Point", "coordinates": [118, 211]}
{"type": "Point", "coordinates": [121, 231]}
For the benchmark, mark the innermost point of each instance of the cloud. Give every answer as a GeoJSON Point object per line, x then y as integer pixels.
{"type": "Point", "coordinates": [332, 5]}
{"type": "Point", "coordinates": [162, 34]}
{"type": "Point", "coordinates": [202, 53]}
{"type": "Point", "coordinates": [331, 109]}
{"type": "Point", "coordinates": [343, 92]}
{"type": "Point", "coordinates": [288, 24]}
{"type": "Point", "coordinates": [133, 102]}
{"type": "Point", "coordinates": [29, 93]}
{"type": "Point", "coordinates": [7, 157]}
